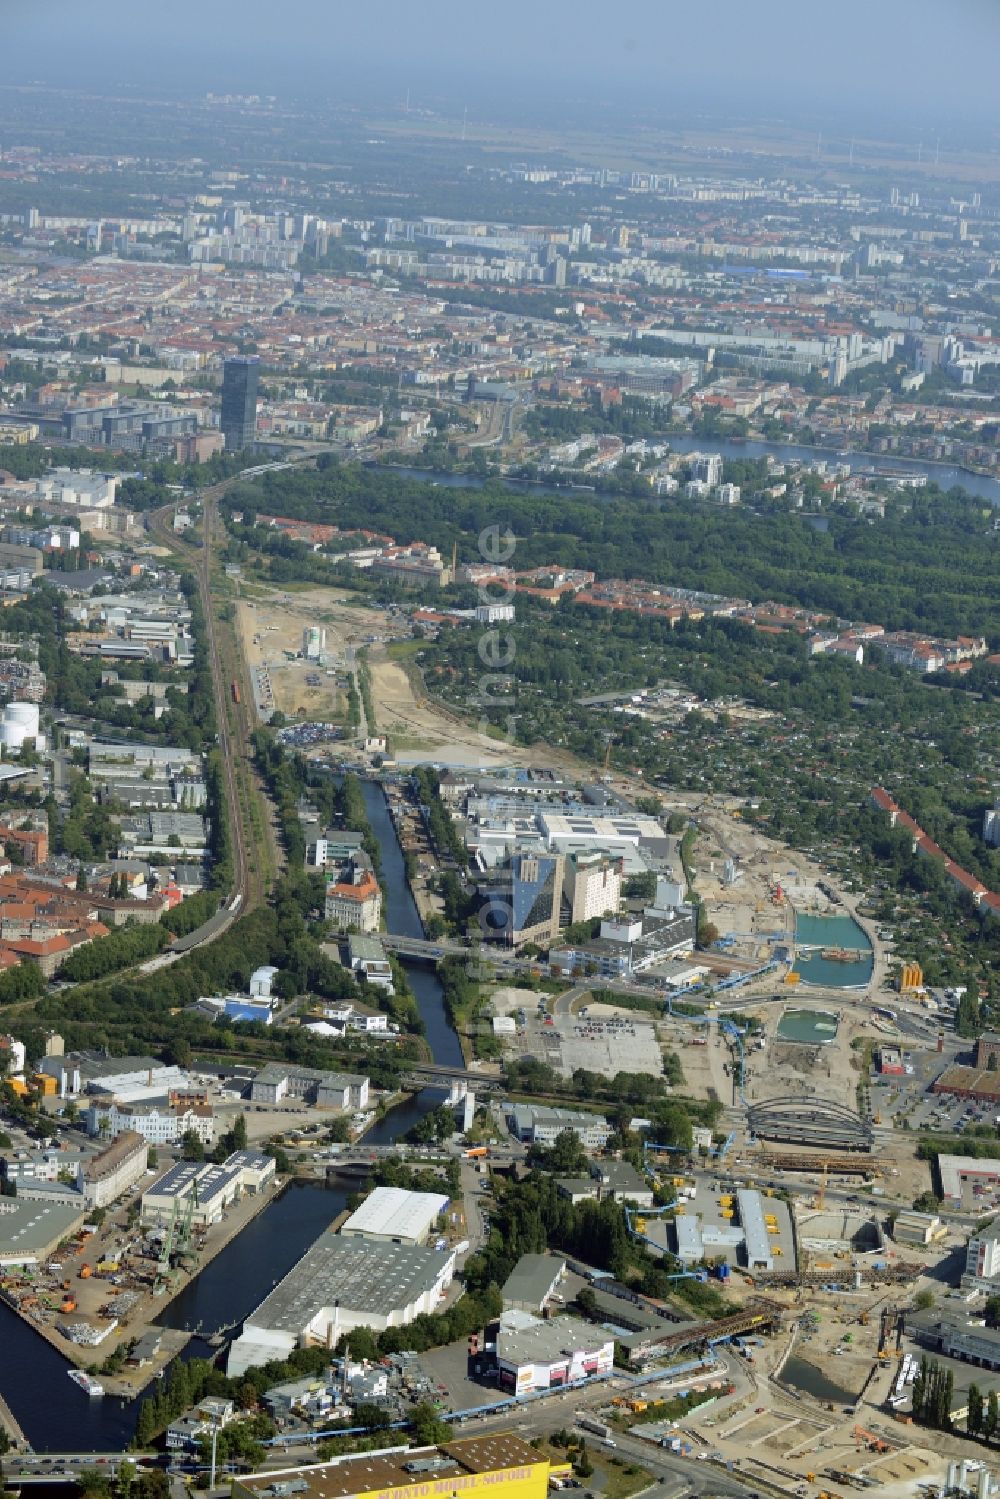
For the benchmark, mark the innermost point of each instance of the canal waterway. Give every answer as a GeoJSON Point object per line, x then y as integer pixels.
{"type": "Point", "coordinates": [945, 474]}
{"type": "Point", "coordinates": [54, 1414]}
{"type": "Point", "coordinates": [403, 920]}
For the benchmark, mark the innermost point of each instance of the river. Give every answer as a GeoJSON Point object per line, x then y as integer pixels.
{"type": "Point", "coordinates": [944, 474]}
{"type": "Point", "coordinates": [57, 1416]}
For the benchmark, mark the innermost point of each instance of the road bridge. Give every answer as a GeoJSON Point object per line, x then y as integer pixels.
{"type": "Point", "coordinates": [425, 1072]}
{"type": "Point", "coordinates": [23, 1469]}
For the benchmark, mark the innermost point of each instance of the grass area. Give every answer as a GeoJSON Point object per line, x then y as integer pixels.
{"type": "Point", "coordinates": [616, 1477]}
{"type": "Point", "coordinates": [612, 1478]}
{"type": "Point", "coordinates": [401, 650]}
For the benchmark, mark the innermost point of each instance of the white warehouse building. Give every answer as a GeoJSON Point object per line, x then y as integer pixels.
{"type": "Point", "coordinates": [337, 1285]}
{"type": "Point", "coordinates": [391, 1215]}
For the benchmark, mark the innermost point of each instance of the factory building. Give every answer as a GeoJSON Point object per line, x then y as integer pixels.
{"type": "Point", "coordinates": [328, 1090]}
{"type": "Point", "coordinates": [470, 1465]}
{"type": "Point", "coordinates": [30, 1231]}
{"type": "Point", "coordinates": [533, 1354]}
{"type": "Point", "coordinates": [759, 1253]}
{"type": "Point", "coordinates": [391, 1215]}
{"type": "Point", "coordinates": [537, 1124]}
{"type": "Point", "coordinates": [532, 1283]}
{"type": "Point", "coordinates": [339, 1284]}
{"type": "Point", "coordinates": [207, 1190]}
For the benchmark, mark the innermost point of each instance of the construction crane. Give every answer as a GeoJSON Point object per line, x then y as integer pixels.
{"type": "Point", "coordinates": [821, 1194]}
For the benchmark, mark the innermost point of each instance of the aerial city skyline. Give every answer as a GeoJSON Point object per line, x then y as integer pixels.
{"type": "Point", "coordinates": [499, 792]}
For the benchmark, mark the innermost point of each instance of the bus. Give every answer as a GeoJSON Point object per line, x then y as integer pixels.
{"type": "Point", "coordinates": [477, 1152]}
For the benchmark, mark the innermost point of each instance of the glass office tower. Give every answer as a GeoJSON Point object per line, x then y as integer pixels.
{"type": "Point", "coordinates": [240, 378]}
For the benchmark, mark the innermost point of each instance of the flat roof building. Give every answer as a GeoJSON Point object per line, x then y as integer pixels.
{"type": "Point", "coordinates": [540, 1125]}
{"type": "Point", "coordinates": [470, 1464]}
{"type": "Point", "coordinates": [213, 1188]}
{"type": "Point", "coordinates": [339, 1284]}
{"type": "Point", "coordinates": [956, 1170]}
{"type": "Point", "coordinates": [30, 1231]}
{"type": "Point", "coordinates": [532, 1282]}
{"type": "Point", "coordinates": [759, 1252]}
{"type": "Point", "coordinates": [537, 1355]}
{"type": "Point", "coordinates": [391, 1215]}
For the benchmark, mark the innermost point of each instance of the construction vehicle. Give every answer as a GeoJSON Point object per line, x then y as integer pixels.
{"type": "Point", "coordinates": [84, 1272]}
{"type": "Point", "coordinates": [871, 1441]}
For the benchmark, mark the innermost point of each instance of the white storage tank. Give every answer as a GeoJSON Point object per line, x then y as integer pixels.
{"type": "Point", "coordinates": [20, 722]}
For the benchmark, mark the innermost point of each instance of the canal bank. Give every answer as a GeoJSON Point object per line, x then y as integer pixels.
{"type": "Point", "coordinates": [947, 475]}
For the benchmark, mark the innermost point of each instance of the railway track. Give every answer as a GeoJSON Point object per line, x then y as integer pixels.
{"type": "Point", "coordinates": [234, 718]}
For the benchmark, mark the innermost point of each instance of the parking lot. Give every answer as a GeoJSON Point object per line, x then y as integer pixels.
{"type": "Point", "coordinates": [607, 1045]}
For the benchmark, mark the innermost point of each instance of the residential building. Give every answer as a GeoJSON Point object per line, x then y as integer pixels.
{"type": "Point", "coordinates": [108, 1175]}
{"type": "Point", "coordinates": [592, 885]}
{"type": "Point", "coordinates": [982, 1259]}
{"type": "Point", "coordinates": [354, 899]}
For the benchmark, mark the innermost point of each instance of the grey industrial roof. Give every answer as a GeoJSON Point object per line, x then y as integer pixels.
{"type": "Point", "coordinates": [545, 1342]}
{"type": "Point", "coordinates": [758, 1240]}
{"type": "Point", "coordinates": [688, 1231]}
{"type": "Point", "coordinates": [533, 1278]}
{"type": "Point", "coordinates": [359, 1275]}
{"type": "Point", "coordinates": [365, 949]}
{"type": "Point", "coordinates": [528, 1114]}
{"type": "Point", "coordinates": [28, 1227]}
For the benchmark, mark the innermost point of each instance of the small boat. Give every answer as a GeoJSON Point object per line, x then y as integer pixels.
{"type": "Point", "coordinates": [87, 1382]}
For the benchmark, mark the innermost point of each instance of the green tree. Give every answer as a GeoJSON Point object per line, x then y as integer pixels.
{"type": "Point", "coordinates": [192, 1148]}
{"type": "Point", "coordinates": [428, 1428]}
{"type": "Point", "coordinates": [974, 1418]}
{"type": "Point", "coordinates": [992, 1418]}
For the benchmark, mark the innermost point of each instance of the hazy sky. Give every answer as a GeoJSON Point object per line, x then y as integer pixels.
{"type": "Point", "coordinates": [921, 58]}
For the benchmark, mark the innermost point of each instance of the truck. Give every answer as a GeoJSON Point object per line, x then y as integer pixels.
{"type": "Point", "coordinates": [590, 1423]}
